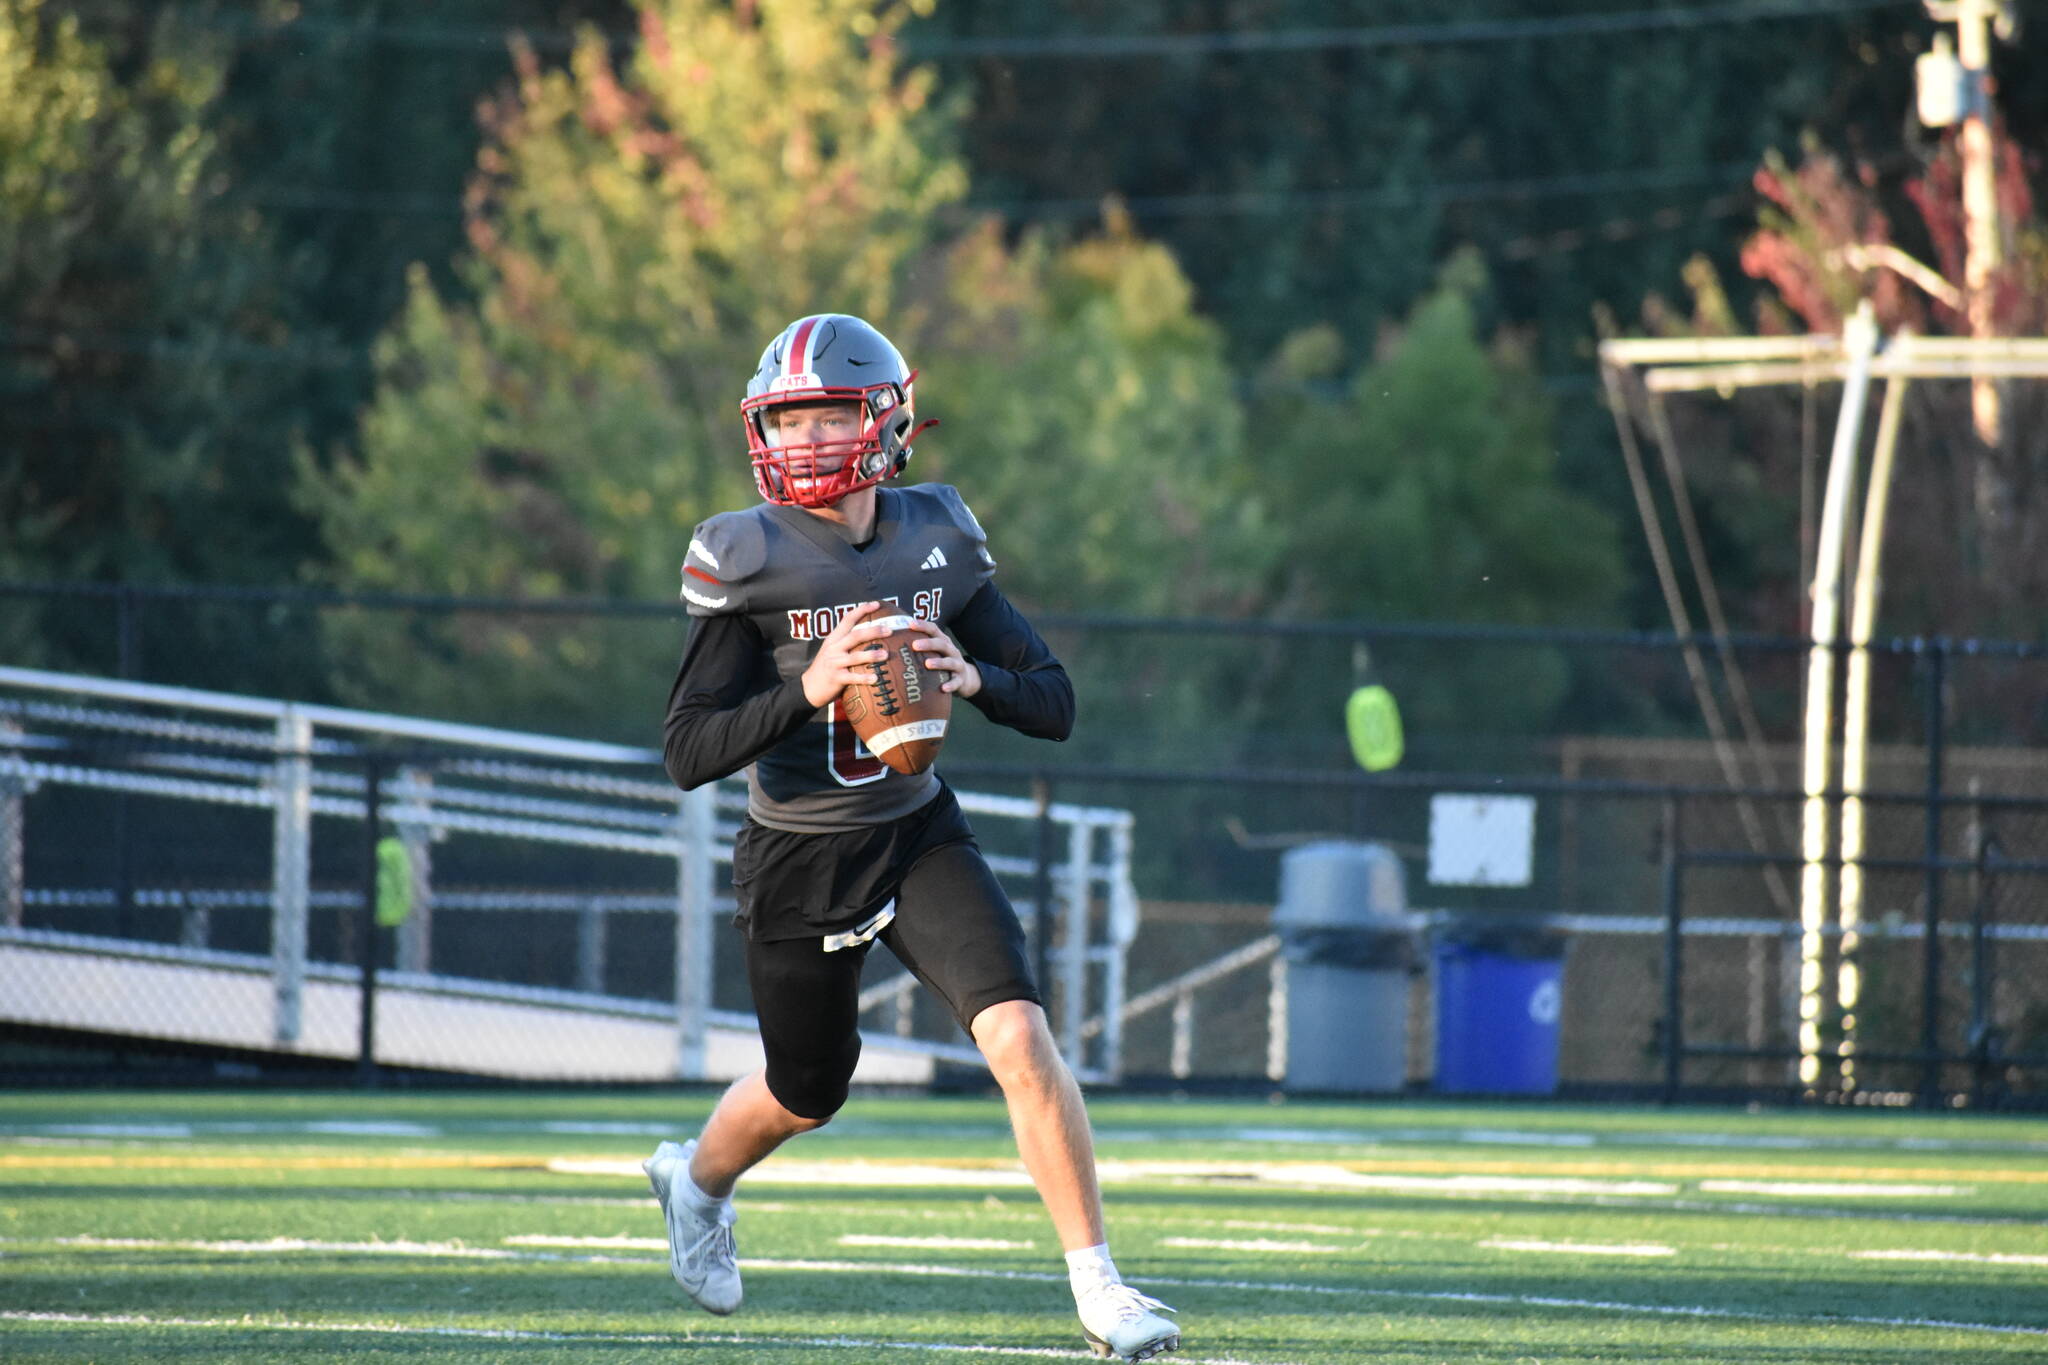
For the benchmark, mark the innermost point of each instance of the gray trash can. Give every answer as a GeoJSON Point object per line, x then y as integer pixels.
{"type": "Point", "coordinates": [1342, 920]}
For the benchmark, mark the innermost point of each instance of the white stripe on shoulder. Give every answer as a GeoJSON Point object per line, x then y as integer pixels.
{"type": "Point", "coordinates": [691, 595]}
{"type": "Point", "coordinates": [698, 548]}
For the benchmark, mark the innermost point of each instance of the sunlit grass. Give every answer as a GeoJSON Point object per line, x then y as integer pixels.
{"type": "Point", "coordinates": [486, 1227]}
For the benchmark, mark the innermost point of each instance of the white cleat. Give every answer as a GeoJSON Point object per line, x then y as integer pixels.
{"type": "Point", "coordinates": [701, 1252]}
{"type": "Point", "coordinates": [1119, 1321]}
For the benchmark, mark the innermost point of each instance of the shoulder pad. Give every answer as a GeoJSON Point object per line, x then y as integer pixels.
{"type": "Point", "coordinates": [725, 551]}
{"type": "Point", "coordinates": [945, 505]}
{"type": "Point", "coordinates": [942, 503]}
{"type": "Point", "coordinates": [950, 506]}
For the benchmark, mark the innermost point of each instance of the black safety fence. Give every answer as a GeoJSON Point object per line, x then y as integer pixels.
{"type": "Point", "coordinates": [1625, 836]}
{"type": "Point", "coordinates": [1691, 961]}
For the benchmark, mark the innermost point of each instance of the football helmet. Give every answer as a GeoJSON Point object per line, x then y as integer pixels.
{"type": "Point", "coordinates": [829, 358]}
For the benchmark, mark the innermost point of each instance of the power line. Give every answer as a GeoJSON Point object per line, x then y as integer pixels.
{"type": "Point", "coordinates": [1450, 192]}
{"type": "Point", "coordinates": [1614, 230]}
{"type": "Point", "coordinates": [1456, 33]}
{"type": "Point", "coordinates": [212, 348]}
{"type": "Point", "coordinates": [432, 37]}
{"type": "Point", "coordinates": [1224, 204]}
{"type": "Point", "coordinates": [333, 356]}
{"type": "Point", "coordinates": [918, 46]}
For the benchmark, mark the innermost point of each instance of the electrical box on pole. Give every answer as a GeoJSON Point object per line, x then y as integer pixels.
{"type": "Point", "coordinates": [1940, 85]}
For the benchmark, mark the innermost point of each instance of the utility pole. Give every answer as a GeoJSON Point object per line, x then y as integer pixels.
{"type": "Point", "coordinates": [1955, 87]}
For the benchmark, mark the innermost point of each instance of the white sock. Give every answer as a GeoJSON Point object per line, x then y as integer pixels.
{"type": "Point", "coordinates": [697, 1199]}
{"type": "Point", "coordinates": [1091, 1266]}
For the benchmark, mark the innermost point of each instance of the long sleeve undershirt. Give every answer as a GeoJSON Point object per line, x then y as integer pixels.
{"type": "Point", "coordinates": [728, 707]}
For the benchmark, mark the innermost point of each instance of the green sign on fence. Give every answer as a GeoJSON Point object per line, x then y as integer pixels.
{"type": "Point", "coordinates": [394, 882]}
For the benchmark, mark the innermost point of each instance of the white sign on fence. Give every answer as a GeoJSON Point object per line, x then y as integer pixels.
{"type": "Point", "coordinates": [1481, 840]}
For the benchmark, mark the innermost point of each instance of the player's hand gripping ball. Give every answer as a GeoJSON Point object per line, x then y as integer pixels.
{"type": "Point", "coordinates": [900, 707]}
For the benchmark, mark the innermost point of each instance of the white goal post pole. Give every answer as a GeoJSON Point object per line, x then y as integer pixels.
{"type": "Point", "coordinates": [1856, 711]}
{"type": "Point", "coordinates": [1859, 340]}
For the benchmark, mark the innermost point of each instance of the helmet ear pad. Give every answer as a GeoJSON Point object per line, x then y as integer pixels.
{"type": "Point", "coordinates": [890, 421]}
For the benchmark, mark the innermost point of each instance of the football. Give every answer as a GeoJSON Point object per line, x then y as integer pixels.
{"type": "Point", "coordinates": [899, 709]}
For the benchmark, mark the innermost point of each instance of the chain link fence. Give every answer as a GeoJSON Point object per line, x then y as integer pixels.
{"type": "Point", "coordinates": [299, 882]}
{"type": "Point", "coordinates": [1706, 947]}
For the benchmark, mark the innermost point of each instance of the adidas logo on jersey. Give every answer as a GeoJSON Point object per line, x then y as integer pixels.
{"type": "Point", "coordinates": [935, 560]}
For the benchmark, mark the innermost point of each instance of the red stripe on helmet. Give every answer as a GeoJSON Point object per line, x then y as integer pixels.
{"type": "Point", "coordinates": [693, 571]}
{"type": "Point", "coordinates": [798, 361]}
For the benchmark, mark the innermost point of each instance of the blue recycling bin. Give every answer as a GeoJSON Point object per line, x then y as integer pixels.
{"type": "Point", "coordinates": [1499, 998]}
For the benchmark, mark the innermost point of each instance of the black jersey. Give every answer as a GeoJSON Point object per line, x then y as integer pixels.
{"type": "Point", "coordinates": [768, 583]}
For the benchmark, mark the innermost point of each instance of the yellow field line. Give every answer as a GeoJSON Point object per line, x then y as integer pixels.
{"type": "Point", "coordinates": [488, 1161]}
{"type": "Point", "coordinates": [166, 1161]}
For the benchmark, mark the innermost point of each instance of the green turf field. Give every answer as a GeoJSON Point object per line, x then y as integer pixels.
{"type": "Point", "coordinates": [493, 1227]}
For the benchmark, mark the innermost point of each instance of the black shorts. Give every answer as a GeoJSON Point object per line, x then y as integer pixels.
{"type": "Point", "coordinates": [954, 929]}
{"type": "Point", "coordinates": [795, 885]}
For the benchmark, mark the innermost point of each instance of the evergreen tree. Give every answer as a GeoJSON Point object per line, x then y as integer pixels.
{"type": "Point", "coordinates": [1429, 491]}
{"type": "Point", "coordinates": [149, 373]}
{"type": "Point", "coordinates": [152, 368]}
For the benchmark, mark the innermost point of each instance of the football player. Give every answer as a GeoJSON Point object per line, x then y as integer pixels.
{"type": "Point", "coordinates": [837, 849]}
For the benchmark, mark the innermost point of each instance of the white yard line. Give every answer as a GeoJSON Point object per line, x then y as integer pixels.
{"type": "Point", "coordinates": [868, 1174]}
{"type": "Point", "coordinates": [671, 1340]}
{"type": "Point", "coordinates": [1022, 1214]}
{"type": "Point", "coordinates": [1582, 1248]}
{"type": "Point", "coordinates": [854, 1129]}
{"type": "Point", "coordinates": [1797, 1211]}
{"type": "Point", "coordinates": [1973, 1257]}
{"type": "Point", "coordinates": [1252, 1244]}
{"type": "Point", "coordinates": [1494, 1137]}
{"type": "Point", "coordinates": [1423, 1295]}
{"type": "Point", "coordinates": [542, 1239]}
{"type": "Point", "coordinates": [573, 1128]}
{"type": "Point", "coordinates": [455, 1251]}
{"type": "Point", "coordinates": [1596, 1305]}
{"type": "Point", "coordinates": [872, 1268]}
{"type": "Point", "coordinates": [1291, 1174]}
{"type": "Point", "coordinates": [1834, 1189]}
{"type": "Point", "coordinates": [1337, 1177]}
{"type": "Point", "coordinates": [876, 1239]}
{"type": "Point", "coordinates": [371, 1128]}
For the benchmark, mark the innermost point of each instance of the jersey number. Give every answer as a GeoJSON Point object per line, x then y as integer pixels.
{"type": "Point", "coordinates": [851, 763]}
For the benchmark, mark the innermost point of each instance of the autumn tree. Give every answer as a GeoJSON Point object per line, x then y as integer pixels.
{"type": "Point", "coordinates": [1963, 556]}
{"type": "Point", "coordinates": [638, 227]}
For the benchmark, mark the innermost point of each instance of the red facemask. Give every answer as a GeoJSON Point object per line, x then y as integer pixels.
{"type": "Point", "coordinates": [820, 473]}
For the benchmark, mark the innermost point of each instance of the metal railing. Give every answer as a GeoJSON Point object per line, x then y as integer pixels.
{"type": "Point", "coordinates": [431, 782]}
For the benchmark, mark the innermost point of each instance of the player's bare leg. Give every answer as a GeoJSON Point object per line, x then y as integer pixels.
{"type": "Point", "coordinates": [1047, 1115]}
{"type": "Point", "coordinates": [694, 1182]}
{"type": "Point", "coordinates": [747, 1125]}
{"type": "Point", "coordinates": [1058, 1151]}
